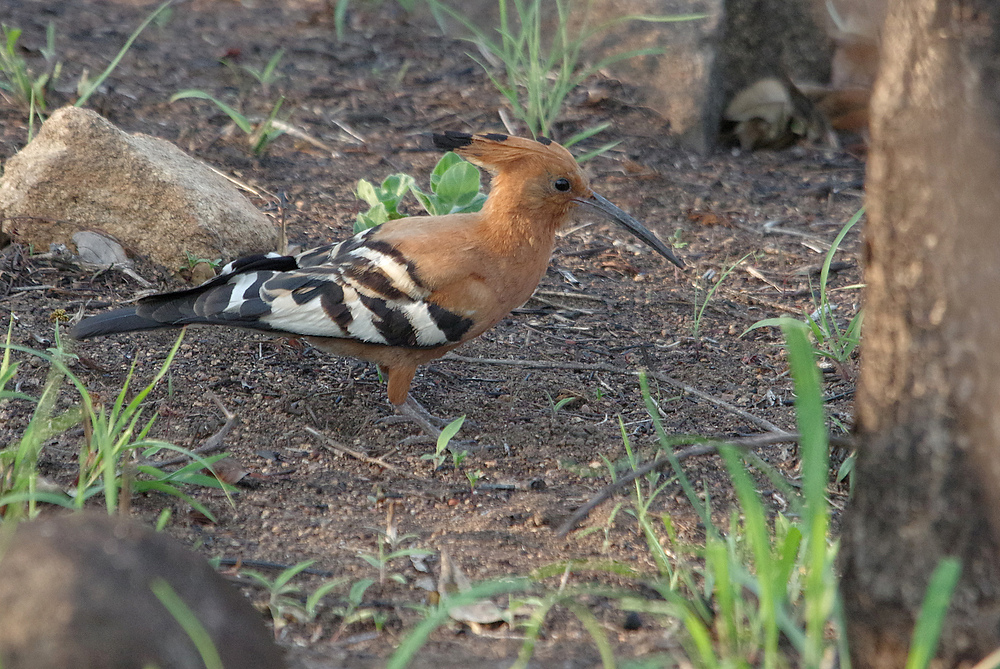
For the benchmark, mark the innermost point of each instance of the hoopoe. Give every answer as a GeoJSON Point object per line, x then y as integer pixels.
{"type": "Point", "coordinates": [410, 290]}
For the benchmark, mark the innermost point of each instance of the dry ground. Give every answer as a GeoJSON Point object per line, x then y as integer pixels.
{"type": "Point", "coordinates": [389, 82]}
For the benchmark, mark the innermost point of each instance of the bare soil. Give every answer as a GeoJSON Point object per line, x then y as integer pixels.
{"type": "Point", "coordinates": [371, 98]}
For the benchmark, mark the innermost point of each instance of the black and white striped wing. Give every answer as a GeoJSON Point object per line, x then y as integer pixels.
{"type": "Point", "coordinates": [360, 289]}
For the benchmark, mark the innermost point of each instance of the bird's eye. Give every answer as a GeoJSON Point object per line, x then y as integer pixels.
{"type": "Point", "coordinates": [562, 184]}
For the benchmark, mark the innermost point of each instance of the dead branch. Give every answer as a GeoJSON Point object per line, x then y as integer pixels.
{"type": "Point", "coordinates": [663, 460]}
{"type": "Point", "coordinates": [600, 367]}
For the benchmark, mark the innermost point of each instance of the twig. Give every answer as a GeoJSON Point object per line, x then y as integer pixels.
{"type": "Point", "coordinates": [600, 367]}
{"type": "Point", "coordinates": [272, 566]}
{"type": "Point", "coordinates": [990, 661]}
{"type": "Point", "coordinates": [562, 307]}
{"type": "Point", "coordinates": [304, 136]}
{"type": "Point", "coordinates": [282, 224]}
{"type": "Point", "coordinates": [575, 296]}
{"type": "Point", "coordinates": [213, 443]}
{"type": "Point", "coordinates": [340, 448]}
{"type": "Point", "coordinates": [242, 185]}
{"type": "Point", "coordinates": [354, 134]}
{"type": "Point", "coordinates": [689, 452]}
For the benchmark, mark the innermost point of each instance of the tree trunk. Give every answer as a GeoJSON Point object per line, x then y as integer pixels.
{"type": "Point", "coordinates": [928, 402]}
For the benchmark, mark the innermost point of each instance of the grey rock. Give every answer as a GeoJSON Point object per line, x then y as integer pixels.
{"type": "Point", "coordinates": [81, 172]}
{"type": "Point", "coordinates": [75, 593]}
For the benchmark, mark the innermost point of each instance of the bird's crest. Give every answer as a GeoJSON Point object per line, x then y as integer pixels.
{"type": "Point", "coordinates": [498, 152]}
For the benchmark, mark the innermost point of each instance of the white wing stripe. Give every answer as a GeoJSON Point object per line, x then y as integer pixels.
{"type": "Point", "coordinates": [428, 332]}
{"type": "Point", "coordinates": [397, 273]}
{"type": "Point", "coordinates": [240, 285]}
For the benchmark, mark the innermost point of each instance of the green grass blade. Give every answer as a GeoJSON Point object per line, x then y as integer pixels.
{"type": "Point", "coordinates": [933, 612]}
{"type": "Point", "coordinates": [82, 100]}
{"type": "Point", "coordinates": [824, 273]}
{"type": "Point", "coordinates": [239, 119]}
{"type": "Point", "coordinates": [815, 470]}
{"type": "Point", "coordinates": [755, 526]}
{"type": "Point", "coordinates": [668, 449]}
{"type": "Point", "coordinates": [187, 619]}
{"type": "Point", "coordinates": [596, 632]}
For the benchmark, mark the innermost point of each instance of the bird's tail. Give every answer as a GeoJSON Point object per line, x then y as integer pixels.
{"type": "Point", "coordinates": [119, 320]}
{"type": "Point", "coordinates": [231, 298]}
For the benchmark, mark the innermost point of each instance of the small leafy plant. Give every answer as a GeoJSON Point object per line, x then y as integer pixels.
{"type": "Point", "coordinates": [455, 185]}
{"type": "Point", "coordinates": [383, 201]}
{"type": "Point", "coordinates": [259, 136]}
{"type": "Point", "coordinates": [439, 455]}
{"type": "Point", "coordinates": [191, 259]}
{"type": "Point", "coordinates": [284, 601]}
{"type": "Point", "coordinates": [830, 340]}
{"type": "Point", "coordinates": [454, 188]}
{"type": "Point", "coordinates": [700, 310]}
{"type": "Point", "coordinates": [387, 549]}
{"type": "Point", "coordinates": [18, 83]}
{"type": "Point", "coordinates": [351, 611]}
{"type": "Point", "coordinates": [269, 73]}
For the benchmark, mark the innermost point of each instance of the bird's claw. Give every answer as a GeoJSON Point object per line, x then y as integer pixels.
{"type": "Point", "coordinates": [411, 411]}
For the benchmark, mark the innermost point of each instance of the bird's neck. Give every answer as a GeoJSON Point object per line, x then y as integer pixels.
{"type": "Point", "coordinates": [513, 222]}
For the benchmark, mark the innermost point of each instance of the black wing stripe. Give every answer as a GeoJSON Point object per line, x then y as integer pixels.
{"type": "Point", "coordinates": [373, 282]}
{"type": "Point", "coordinates": [332, 301]}
{"type": "Point", "coordinates": [451, 324]}
{"type": "Point", "coordinates": [392, 324]}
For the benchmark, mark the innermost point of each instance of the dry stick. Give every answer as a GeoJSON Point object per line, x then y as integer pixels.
{"type": "Point", "coordinates": [340, 448]}
{"type": "Point", "coordinates": [663, 460]}
{"type": "Point", "coordinates": [600, 367]}
{"type": "Point", "coordinates": [304, 136]}
{"type": "Point", "coordinates": [213, 443]}
{"type": "Point", "coordinates": [990, 661]}
{"type": "Point", "coordinates": [575, 296]}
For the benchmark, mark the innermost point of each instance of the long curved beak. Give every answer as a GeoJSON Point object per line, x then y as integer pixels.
{"type": "Point", "coordinates": [604, 206]}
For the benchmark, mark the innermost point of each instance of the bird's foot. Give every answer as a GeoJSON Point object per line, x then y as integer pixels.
{"type": "Point", "coordinates": [411, 411]}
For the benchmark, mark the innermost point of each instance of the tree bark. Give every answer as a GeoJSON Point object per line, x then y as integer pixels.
{"type": "Point", "coordinates": [928, 404]}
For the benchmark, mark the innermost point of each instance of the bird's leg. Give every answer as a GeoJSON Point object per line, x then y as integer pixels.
{"type": "Point", "coordinates": [409, 410]}
{"type": "Point", "coordinates": [415, 412]}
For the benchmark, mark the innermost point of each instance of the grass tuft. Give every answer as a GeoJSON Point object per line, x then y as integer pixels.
{"type": "Point", "coordinates": [113, 439]}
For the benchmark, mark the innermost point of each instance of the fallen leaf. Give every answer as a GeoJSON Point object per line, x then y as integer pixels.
{"type": "Point", "coordinates": [228, 470]}
{"type": "Point", "coordinates": [451, 580]}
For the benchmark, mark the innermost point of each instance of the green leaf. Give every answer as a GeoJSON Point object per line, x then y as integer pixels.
{"type": "Point", "coordinates": [374, 217]}
{"type": "Point", "coordinates": [458, 186]}
{"type": "Point", "coordinates": [475, 205]}
{"type": "Point", "coordinates": [366, 192]}
{"type": "Point", "coordinates": [288, 574]}
{"type": "Point", "coordinates": [449, 431]}
{"type": "Point", "coordinates": [443, 165]}
{"type": "Point", "coordinates": [397, 185]}
{"type": "Point", "coordinates": [358, 590]}
{"type": "Point", "coordinates": [426, 201]}
{"type": "Point", "coordinates": [312, 602]}
{"type": "Point", "coordinates": [93, 86]}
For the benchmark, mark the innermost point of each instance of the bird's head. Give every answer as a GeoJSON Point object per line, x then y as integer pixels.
{"type": "Point", "coordinates": [541, 179]}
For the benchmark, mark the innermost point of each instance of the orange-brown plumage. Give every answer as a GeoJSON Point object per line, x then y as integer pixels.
{"type": "Point", "coordinates": [412, 289]}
